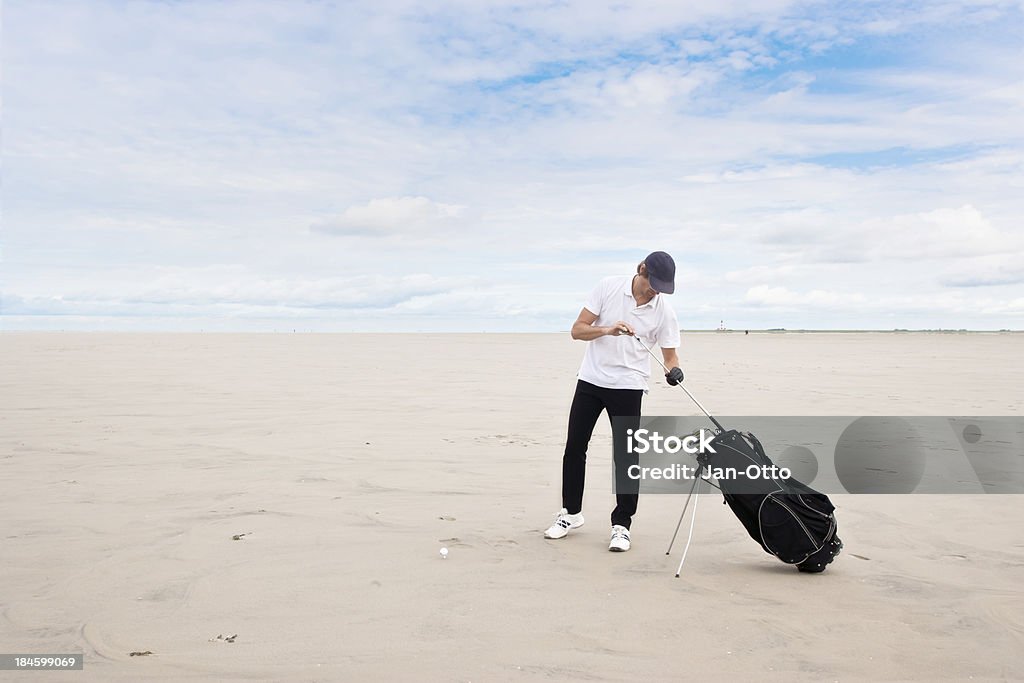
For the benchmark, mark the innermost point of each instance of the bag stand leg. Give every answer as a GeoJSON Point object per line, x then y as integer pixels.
{"type": "Point", "coordinates": [695, 495]}
{"type": "Point", "coordinates": [681, 516]}
{"type": "Point", "coordinates": [693, 518]}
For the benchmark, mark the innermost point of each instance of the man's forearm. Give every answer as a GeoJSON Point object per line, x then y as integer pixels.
{"type": "Point", "coordinates": [585, 332]}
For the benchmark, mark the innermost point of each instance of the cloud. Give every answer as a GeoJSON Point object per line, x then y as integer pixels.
{"type": "Point", "coordinates": [811, 236]}
{"type": "Point", "coordinates": [649, 86]}
{"type": "Point", "coordinates": [393, 216]}
{"type": "Point", "coordinates": [762, 274]}
{"type": "Point", "coordinates": [231, 290]}
{"type": "Point", "coordinates": [942, 233]}
{"type": "Point", "coordinates": [763, 295]}
{"type": "Point", "coordinates": [160, 155]}
{"type": "Point", "coordinates": [880, 306]}
{"type": "Point", "coordinates": [987, 271]}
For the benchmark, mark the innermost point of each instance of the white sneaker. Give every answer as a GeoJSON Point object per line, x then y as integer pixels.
{"type": "Point", "coordinates": [563, 523]}
{"type": "Point", "coordinates": [620, 539]}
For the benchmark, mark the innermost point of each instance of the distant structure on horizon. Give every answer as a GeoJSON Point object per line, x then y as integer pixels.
{"type": "Point", "coordinates": [721, 326]}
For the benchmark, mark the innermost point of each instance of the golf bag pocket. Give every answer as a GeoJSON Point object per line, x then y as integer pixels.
{"type": "Point", "coordinates": [793, 527]}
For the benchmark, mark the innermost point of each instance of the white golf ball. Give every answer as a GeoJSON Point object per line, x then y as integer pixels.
{"type": "Point", "coordinates": [444, 553]}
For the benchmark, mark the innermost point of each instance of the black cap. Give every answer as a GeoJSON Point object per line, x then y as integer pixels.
{"type": "Point", "coordinates": [661, 271]}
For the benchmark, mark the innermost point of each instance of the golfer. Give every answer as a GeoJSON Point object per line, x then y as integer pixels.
{"type": "Point", "coordinates": [613, 378]}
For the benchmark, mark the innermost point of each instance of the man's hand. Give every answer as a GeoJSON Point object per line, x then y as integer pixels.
{"type": "Point", "coordinates": [674, 376]}
{"type": "Point", "coordinates": [620, 328]}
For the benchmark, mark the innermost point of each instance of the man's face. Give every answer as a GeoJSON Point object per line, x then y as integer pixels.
{"type": "Point", "coordinates": [645, 284]}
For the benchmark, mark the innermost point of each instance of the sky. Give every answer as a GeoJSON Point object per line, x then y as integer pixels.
{"type": "Point", "coordinates": [397, 166]}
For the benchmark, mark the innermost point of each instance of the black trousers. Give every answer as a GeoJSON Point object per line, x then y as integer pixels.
{"type": "Point", "coordinates": [587, 404]}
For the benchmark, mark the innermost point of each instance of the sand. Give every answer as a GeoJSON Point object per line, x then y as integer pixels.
{"type": "Point", "coordinates": [343, 463]}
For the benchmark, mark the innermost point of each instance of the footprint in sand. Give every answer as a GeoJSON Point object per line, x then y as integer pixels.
{"type": "Point", "coordinates": [454, 542]}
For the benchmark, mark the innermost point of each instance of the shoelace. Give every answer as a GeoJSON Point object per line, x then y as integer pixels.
{"type": "Point", "coordinates": [620, 534]}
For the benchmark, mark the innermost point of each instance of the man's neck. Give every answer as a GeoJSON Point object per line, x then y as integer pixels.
{"type": "Point", "coordinates": [640, 298]}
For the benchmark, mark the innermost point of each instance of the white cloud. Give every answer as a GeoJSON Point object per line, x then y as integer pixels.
{"type": "Point", "coordinates": [649, 86]}
{"type": "Point", "coordinates": [393, 216]}
{"type": "Point", "coordinates": [763, 295]}
{"type": "Point", "coordinates": [944, 233]}
{"type": "Point", "coordinates": [144, 142]}
{"type": "Point", "coordinates": [986, 271]}
{"type": "Point", "coordinates": [232, 288]}
{"type": "Point", "coordinates": [762, 274]}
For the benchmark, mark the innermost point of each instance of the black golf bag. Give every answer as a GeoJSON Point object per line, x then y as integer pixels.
{"type": "Point", "coordinates": [787, 518]}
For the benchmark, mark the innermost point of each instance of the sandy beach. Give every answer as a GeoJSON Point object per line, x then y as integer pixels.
{"type": "Point", "coordinates": [271, 508]}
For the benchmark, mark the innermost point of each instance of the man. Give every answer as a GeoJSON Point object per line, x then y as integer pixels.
{"type": "Point", "coordinates": [613, 378]}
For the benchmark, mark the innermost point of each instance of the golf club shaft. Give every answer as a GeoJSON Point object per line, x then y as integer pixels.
{"type": "Point", "coordinates": [710, 417]}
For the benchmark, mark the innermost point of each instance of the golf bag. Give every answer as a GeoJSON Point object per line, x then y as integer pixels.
{"type": "Point", "coordinates": [787, 518]}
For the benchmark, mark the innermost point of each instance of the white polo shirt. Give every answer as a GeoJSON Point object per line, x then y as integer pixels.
{"type": "Point", "coordinates": [620, 362]}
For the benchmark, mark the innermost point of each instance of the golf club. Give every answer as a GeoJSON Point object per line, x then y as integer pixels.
{"type": "Point", "coordinates": [703, 410]}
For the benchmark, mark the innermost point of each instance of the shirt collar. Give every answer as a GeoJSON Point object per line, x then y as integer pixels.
{"type": "Point", "coordinates": [628, 291]}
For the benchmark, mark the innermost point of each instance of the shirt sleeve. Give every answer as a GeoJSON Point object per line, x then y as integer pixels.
{"type": "Point", "coordinates": [668, 335]}
{"type": "Point", "coordinates": [595, 301]}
